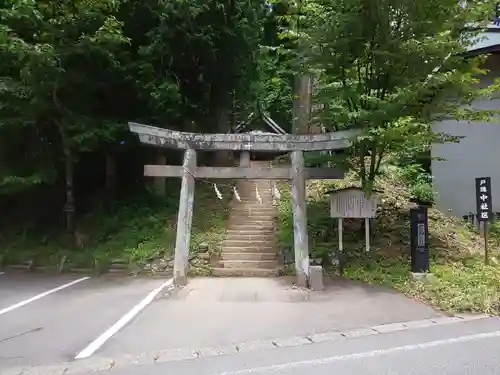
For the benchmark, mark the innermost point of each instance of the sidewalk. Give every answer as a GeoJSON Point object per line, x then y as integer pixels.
{"type": "Point", "coordinates": [212, 311]}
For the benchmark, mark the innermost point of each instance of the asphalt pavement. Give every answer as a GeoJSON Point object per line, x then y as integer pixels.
{"type": "Point", "coordinates": [57, 326]}
{"type": "Point", "coordinates": [464, 348]}
{"type": "Point", "coordinates": [222, 311]}
{"type": "Point", "coordinates": [70, 324]}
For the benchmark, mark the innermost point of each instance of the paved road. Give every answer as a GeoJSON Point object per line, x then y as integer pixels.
{"type": "Point", "coordinates": [456, 349]}
{"type": "Point", "coordinates": [47, 321]}
{"type": "Point", "coordinates": [57, 326]}
{"type": "Point", "coordinates": [220, 311]}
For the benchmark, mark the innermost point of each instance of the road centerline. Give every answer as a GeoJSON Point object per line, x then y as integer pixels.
{"type": "Point", "coordinates": [122, 322]}
{"type": "Point", "coordinates": [41, 295]}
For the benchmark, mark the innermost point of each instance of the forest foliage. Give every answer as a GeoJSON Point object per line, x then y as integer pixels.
{"type": "Point", "coordinates": [73, 73]}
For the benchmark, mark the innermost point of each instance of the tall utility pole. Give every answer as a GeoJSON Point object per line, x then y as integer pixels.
{"type": "Point", "coordinates": [301, 114]}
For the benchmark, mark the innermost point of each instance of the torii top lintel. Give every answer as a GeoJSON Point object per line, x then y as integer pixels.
{"type": "Point", "coordinates": [243, 142]}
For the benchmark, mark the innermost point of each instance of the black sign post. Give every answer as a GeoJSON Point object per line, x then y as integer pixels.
{"type": "Point", "coordinates": [484, 208]}
{"type": "Point", "coordinates": [419, 240]}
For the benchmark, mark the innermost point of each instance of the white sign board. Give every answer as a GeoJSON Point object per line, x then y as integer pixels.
{"type": "Point", "coordinates": [351, 203]}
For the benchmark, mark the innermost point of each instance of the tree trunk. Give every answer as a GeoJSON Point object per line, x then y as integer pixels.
{"type": "Point", "coordinates": [69, 208]}
{"type": "Point", "coordinates": [301, 105]}
{"type": "Point", "coordinates": [221, 103]}
{"type": "Point", "coordinates": [223, 157]}
{"type": "Point", "coordinates": [110, 175]}
{"type": "Point", "coordinates": [110, 188]}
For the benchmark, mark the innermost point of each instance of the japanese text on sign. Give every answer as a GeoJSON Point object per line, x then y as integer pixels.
{"type": "Point", "coordinates": [483, 198]}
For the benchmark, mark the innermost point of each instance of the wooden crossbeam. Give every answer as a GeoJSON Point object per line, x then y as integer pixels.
{"type": "Point", "coordinates": [277, 173]}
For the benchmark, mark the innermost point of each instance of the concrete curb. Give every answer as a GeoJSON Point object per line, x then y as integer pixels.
{"type": "Point", "coordinates": [95, 364]}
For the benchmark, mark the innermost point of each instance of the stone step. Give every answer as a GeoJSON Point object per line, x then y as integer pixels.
{"type": "Point", "coordinates": [255, 206]}
{"type": "Point", "coordinates": [252, 222]}
{"type": "Point", "coordinates": [239, 227]}
{"type": "Point", "coordinates": [252, 200]}
{"type": "Point", "coordinates": [252, 185]}
{"type": "Point", "coordinates": [254, 215]}
{"type": "Point", "coordinates": [259, 183]}
{"type": "Point", "coordinates": [250, 232]}
{"type": "Point", "coordinates": [251, 204]}
{"type": "Point", "coordinates": [250, 192]}
{"type": "Point", "coordinates": [263, 228]}
{"type": "Point", "coordinates": [249, 256]}
{"type": "Point", "coordinates": [244, 272]}
{"type": "Point", "coordinates": [257, 215]}
{"type": "Point", "coordinates": [238, 246]}
{"type": "Point", "coordinates": [251, 225]}
{"type": "Point", "coordinates": [252, 264]}
{"type": "Point", "coordinates": [238, 242]}
{"type": "Point", "coordinates": [265, 219]}
{"type": "Point", "coordinates": [256, 209]}
{"type": "Point", "coordinates": [252, 197]}
{"type": "Point", "coordinates": [271, 237]}
{"type": "Point", "coordinates": [250, 219]}
{"type": "Point", "coordinates": [256, 181]}
{"type": "Point", "coordinates": [250, 189]}
{"type": "Point", "coordinates": [249, 249]}
{"type": "Point", "coordinates": [245, 207]}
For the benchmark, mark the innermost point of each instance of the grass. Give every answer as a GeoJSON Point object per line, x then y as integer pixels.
{"type": "Point", "coordinates": [134, 231]}
{"type": "Point", "coordinates": [460, 281]}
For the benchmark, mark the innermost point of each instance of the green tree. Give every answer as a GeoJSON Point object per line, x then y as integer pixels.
{"type": "Point", "coordinates": [276, 70]}
{"type": "Point", "coordinates": [56, 57]}
{"type": "Point", "coordinates": [392, 68]}
{"type": "Point", "coordinates": [74, 72]}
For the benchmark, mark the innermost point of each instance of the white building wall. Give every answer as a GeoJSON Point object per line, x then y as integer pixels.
{"type": "Point", "coordinates": [476, 155]}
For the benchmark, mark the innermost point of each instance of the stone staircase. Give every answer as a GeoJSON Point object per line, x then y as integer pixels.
{"type": "Point", "coordinates": [250, 246]}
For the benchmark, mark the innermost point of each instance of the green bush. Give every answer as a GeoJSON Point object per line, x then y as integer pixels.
{"type": "Point", "coordinates": [422, 192]}
{"type": "Point", "coordinates": [412, 173]}
{"type": "Point", "coordinates": [419, 183]}
{"type": "Point", "coordinates": [494, 231]}
{"type": "Point", "coordinates": [136, 229]}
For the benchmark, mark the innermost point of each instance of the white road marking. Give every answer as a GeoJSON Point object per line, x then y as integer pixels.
{"type": "Point", "coordinates": [124, 320]}
{"type": "Point", "coordinates": [2, 273]}
{"type": "Point", "coordinates": [370, 354]}
{"type": "Point", "coordinates": [41, 295]}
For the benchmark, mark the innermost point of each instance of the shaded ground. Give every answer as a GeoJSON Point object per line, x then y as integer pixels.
{"type": "Point", "coordinates": [224, 311]}
{"type": "Point", "coordinates": [138, 230]}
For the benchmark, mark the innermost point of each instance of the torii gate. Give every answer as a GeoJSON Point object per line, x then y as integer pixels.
{"type": "Point", "coordinates": [297, 173]}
